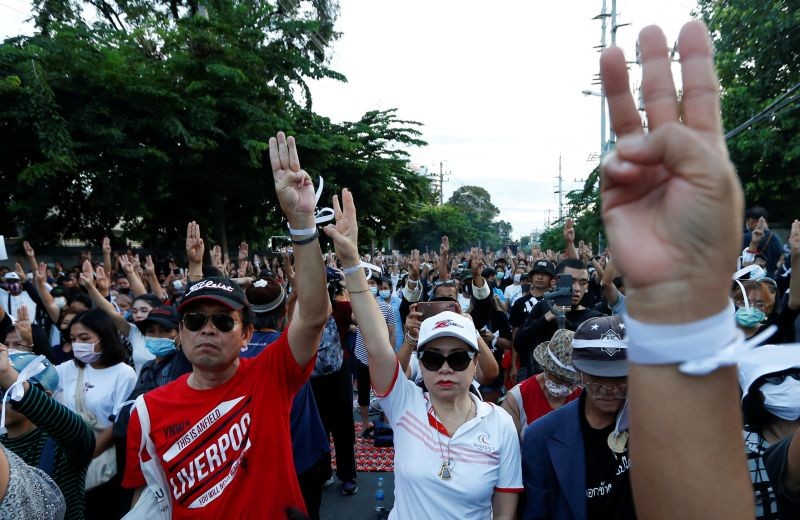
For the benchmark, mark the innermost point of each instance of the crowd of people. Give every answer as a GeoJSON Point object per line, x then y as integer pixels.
{"type": "Point", "coordinates": [573, 384]}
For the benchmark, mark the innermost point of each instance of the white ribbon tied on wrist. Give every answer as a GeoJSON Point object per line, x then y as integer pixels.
{"type": "Point", "coordinates": [322, 214]}
{"type": "Point", "coordinates": [16, 390]}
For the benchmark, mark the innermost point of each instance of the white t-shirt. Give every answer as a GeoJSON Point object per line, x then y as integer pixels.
{"type": "Point", "coordinates": [485, 457]}
{"type": "Point", "coordinates": [511, 293]}
{"type": "Point", "coordinates": [105, 389]}
{"type": "Point", "coordinates": [140, 353]}
{"type": "Point", "coordinates": [11, 304]}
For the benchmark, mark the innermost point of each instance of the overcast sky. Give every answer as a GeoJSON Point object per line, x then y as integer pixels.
{"type": "Point", "coordinates": [498, 89]}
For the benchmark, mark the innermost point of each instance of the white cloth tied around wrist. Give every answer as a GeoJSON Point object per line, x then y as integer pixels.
{"type": "Point", "coordinates": [698, 348]}
{"type": "Point", "coordinates": [16, 391]}
{"type": "Point", "coordinates": [361, 265]}
{"type": "Point", "coordinates": [322, 215]}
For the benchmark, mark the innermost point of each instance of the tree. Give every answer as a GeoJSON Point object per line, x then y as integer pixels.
{"type": "Point", "coordinates": [163, 116]}
{"type": "Point", "coordinates": [432, 222]}
{"type": "Point", "coordinates": [757, 53]}
{"type": "Point", "coordinates": [584, 209]}
{"type": "Point", "coordinates": [476, 201]}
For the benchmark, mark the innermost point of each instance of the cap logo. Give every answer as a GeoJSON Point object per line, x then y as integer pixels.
{"type": "Point", "coordinates": [446, 323]}
{"type": "Point", "coordinates": [610, 335]}
{"type": "Point", "coordinates": [210, 284]}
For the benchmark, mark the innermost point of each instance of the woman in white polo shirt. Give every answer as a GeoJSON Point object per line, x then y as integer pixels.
{"type": "Point", "coordinates": [455, 456]}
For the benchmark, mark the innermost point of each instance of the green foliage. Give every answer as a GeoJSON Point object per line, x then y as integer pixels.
{"type": "Point", "coordinates": [165, 118]}
{"type": "Point", "coordinates": [584, 209]}
{"type": "Point", "coordinates": [757, 52]}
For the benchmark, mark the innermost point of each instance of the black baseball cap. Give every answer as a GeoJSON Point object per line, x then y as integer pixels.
{"type": "Point", "coordinates": [543, 266]}
{"type": "Point", "coordinates": [599, 348]}
{"type": "Point", "coordinates": [164, 315]}
{"type": "Point", "coordinates": [217, 289]}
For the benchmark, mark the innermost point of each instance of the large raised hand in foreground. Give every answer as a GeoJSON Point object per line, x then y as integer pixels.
{"type": "Point", "coordinates": [662, 192]}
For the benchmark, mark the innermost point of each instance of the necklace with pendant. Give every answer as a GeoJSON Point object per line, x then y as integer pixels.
{"type": "Point", "coordinates": [446, 469]}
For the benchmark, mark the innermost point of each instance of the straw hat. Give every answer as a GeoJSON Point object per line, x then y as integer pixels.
{"type": "Point", "coordinates": [560, 348]}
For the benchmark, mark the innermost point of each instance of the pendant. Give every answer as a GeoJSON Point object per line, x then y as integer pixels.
{"type": "Point", "coordinates": [618, 441]}
{"type": "Point", "coordinates": [444, 471]}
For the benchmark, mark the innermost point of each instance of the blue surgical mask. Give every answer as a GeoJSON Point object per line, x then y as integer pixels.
{"type": "Point", "coordinates": [749, 317]}
{"type": "Point", "coordinates": [385, 293]}
{"type": "Point", "coordinates": [160, 347]}
{"type": "Point", "coordinates": [373, 290]}
{"type": "Point", "coordinates": [500, 275]}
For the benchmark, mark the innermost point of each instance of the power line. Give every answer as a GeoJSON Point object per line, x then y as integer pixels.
{"type": "Point", "coordinates": [773, 108]}
{"type": "Point", "coordinates": [14, 9]}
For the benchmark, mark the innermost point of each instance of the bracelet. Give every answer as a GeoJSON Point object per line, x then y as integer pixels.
{"type": "Point", "coordinates": [306, 240]}
{"type": "Point", "coordinates": [352, 270]}
{"type": "Point", "coordinates": [356, 292]}
{"type": "Point", "coordinates": [411, 340]}
{"type": "Point", "coordinates": [301, 232]}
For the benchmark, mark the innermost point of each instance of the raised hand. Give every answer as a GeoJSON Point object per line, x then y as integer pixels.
{"type": "Point", "coordinates": [444, 247]}
{"type": "Point", "coordinates": [244, 250]}
{"type": "Point", "coordinates": [662, 190]}
{"type": "Point", "coordinates": [126, 263]}
{"type": "Point", "coordinates": [29, 252]}
{"type": "Point", "coordinates": [476, 261]}
{"type": "Point", "coordinates": [106, 246]}
{"type": "Point", "coordinates": [569, 231]}
{"type": "Point", "coordinates": [216, 257]}
{"type": "Point", "coordinates": [242, 271]}
{"type": "Point", "coordinates": [794, 240]}
{"type": "Point", "coordinates": [758, 233]}
{"type": "Point", "coordinates": [292, 184]}
{"type": "Point", "coordinates": [149, 266]}
{"type": "Point", "coordinates": [87, 274]}
{"type": "Point", "coordinates": [289, 268]}
{"type": "Point", "coordinates": [195, 247]}
{"type": "Point", "coordinates": [413, 265]}
{"type": "Point", "coordinates": [23, 326]}
{"type": "Point", "coordinates": [345, 232]}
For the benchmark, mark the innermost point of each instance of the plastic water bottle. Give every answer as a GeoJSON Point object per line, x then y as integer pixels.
{"type": "Point", "coordinates": [380, 506]}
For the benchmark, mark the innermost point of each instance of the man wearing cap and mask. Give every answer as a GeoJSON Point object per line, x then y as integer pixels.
{"type": "Point", "coordinates": [45, 433]}
{"type": "Point", "coordinates": [549, 390]}
{"type": "Point", "coordinates": [575, 462]}
{"type": "Point", "coordinates": [15, 295]}
{"type": "Point", "coordinates": [222, 433]}
{"type": "Point", "coordinates": [769, 377]}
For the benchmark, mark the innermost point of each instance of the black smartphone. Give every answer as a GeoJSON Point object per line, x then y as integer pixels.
{"type": "Point", "coordinates": [564, 286]}
{"type": "Point", "coordinates": [429, 309]}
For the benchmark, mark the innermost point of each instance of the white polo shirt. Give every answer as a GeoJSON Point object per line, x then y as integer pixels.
{"type": "Point", "coordinates": [485, 456]}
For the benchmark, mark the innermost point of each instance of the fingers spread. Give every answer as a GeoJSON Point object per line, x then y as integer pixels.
{"type": "Point", "coordinates": [283, 151]}
{"type": "Point", "coordinates": [274, 158]}
{"type": "Point", "coordinates": [658, 88]}
{"type": "Point", "coordinates": [337, 209]}
{"type": "Point", "coordinates": [349, 205]}
{"type": "Point", "coordinates": [700, 87]}
{"type": "Point", "coordinates": [621, 107]}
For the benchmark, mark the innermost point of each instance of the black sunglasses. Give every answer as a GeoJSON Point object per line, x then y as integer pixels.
{"type": "Point", "coordinates": [458, 360]}
{"type": "Point", "coordinates": [780, 378]}
{"type": "Point", "coordinates": [195, 321]}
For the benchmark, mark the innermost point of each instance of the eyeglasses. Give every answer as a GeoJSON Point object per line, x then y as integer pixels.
{"type": "Point", "coordinates": [195, 321]}
{"type": "Point", "coordinates": [780, 378]}
{"type": "Point", "coordinates": [446, 283]}
{"type": "Point", "coordinates": [598, 389]}
{"type": "Point", "coordinates": [458, 360]}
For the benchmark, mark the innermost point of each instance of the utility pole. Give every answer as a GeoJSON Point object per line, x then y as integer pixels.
{"type": "Point", "coordinates": [438, 180]}
{"type": "Point", "coordinates": [560, 191]}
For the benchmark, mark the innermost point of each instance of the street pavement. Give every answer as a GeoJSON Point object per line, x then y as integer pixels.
{"type": "Point", "coordinates": [360, 506]}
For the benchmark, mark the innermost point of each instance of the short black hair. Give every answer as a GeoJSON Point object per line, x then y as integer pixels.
{"type": "Point", "coordinates": [572, 263]}
{"type": "Point", "coordinates": [151, 299]}
{"type": "Point", "coordinates": [756, 212]}
{"type": "Point", "coordinates": [100, 323]}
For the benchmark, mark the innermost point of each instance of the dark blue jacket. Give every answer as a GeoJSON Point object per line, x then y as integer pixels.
{"type": "Point", "coordinates": [553, 466]}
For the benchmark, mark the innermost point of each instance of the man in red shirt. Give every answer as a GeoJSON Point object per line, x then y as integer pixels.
{"type": "Point", "coordinates": [222, 432]}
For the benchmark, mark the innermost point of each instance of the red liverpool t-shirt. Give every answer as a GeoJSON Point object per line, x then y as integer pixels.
{"type": "Point", "coordinates": [226, 452]}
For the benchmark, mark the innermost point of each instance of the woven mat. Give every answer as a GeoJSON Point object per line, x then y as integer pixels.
{"type": "Point", "coordinates": [368, 457]}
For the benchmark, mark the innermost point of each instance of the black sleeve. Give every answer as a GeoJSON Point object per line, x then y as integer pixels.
{"type": "Point", "coordinates": [785, 322]}
{"type": "Point", "coordinates": [41, 342]}
{"type": "Point", "coordinates": [517, 315]}
{"type": "Point", "coordinates": [775, 463]}
{"type": "Point", "coordinates": [536, 326]}
{"type": "Point", "coordinates": [500, 323]}
{"type": "Point", "coordinates": [75, 437]}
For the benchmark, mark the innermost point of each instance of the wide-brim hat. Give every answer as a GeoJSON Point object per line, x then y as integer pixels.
{"type": "Point", "coordinates": [265, 295]}
{"type": "Point", "coordinates": [11, 275]}
{"type": "Point", "coordinates": [599, 348]}
{"type": "Point", "coordinates": [555, 356]}
{"type": "Point", "coordinates": [762, 361]}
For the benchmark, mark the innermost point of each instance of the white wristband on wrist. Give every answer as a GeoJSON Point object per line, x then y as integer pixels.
{"type": "Point", "coordinates": [699, 347]}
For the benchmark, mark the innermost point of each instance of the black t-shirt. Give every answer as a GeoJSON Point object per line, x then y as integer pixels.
{"type": "Point", "coordinates": [608, 484]}
{"type": "Point", "coordinates": [775, 464]}
{"type": "Point", "coordinates": [522, 308]}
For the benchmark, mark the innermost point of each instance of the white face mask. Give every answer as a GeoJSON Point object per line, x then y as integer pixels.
{"type": "Point", "coordinates": [517, 278]}
{"type": "Point", "coordinates": [60, 301]}
{"type": "Point", "coordinates": [783, 400]}
{"type": "Point", "coordinates": [85, 352]}
{"type": "Point", "coordinates": [555, 389]}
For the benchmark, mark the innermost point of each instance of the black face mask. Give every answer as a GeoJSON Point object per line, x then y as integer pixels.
{"type": "Point", "coordinates": [124, 290]}
{"type": "Point", "coordinates": [526, 287]}
{"type": "Point", "coordinates": [492, 284]}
